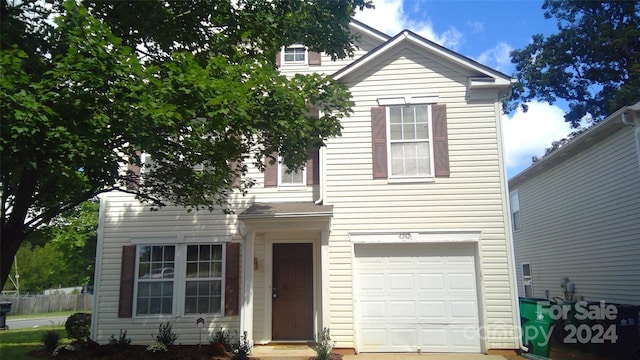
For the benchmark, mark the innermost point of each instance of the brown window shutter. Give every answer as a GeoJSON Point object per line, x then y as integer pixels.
{"type": "Point", "coordinates": [315, 58]}
{"type": "Point", "coordinates": [232, 280]}
{"type": "Point", "coordinates": [440, 140]}
{"type": "Point", "coordinates": [379, 141]}
{"type": "Point", "coordinates": [235, 178]}
{"type": "Point", "coordinates": [313, 167]}
{"type": "Point", "coordinates": [270, 171]}
{"type": "Point", "coordinates": [127, 277]}
{"type": "Point", "coordinates": [278, 56]}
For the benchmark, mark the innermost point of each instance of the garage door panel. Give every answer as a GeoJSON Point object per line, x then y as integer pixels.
{"type": "Point", "coordinates": [431, 282]}
{"type": "Point", "coordinates": [404, 310]}
{"type": "Point", "coordinates": [433, 311]}
{"type": "Point", "coordinates": [401, 282]}
{"type": "Point", "coordinates": [434, 340]}
{"type": "Point", "coordinates": [414, 296]}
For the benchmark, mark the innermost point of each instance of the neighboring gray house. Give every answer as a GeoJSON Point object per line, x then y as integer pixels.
{"type": "Point", "coordinates": [576, 216]}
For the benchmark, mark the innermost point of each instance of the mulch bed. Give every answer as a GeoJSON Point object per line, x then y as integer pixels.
{"type": "Point", "coordinates": [135, 352]}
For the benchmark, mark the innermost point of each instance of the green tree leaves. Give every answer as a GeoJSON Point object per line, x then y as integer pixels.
{"type": "Point", "coordinates": [593, 62]}
{"type": "Point", "coordinates": [192, 83]}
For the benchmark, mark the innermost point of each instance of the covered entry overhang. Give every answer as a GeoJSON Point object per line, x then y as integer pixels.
{"type": "Point", "coordinates": [281, 240]}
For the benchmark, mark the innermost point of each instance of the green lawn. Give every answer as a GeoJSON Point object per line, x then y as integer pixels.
{"type": "Point", "coordinates": [15, 344]}
{"type": "Point", "coordinates": [39, 315]}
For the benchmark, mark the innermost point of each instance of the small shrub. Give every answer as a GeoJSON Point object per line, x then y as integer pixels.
{"type": "Point", "coordinates": [223, 337]}
{"type": "Point", "coordinates": [165, 335]}
{"type": "Point", "coordinates": [242, 349]}
{"type": "Point", "coordinates": [121, 342]}
{"type": "Point", "coordinates": [50, 339]}
{"type": "Point", "coordinates": [63, 350]}
{"type": "Point", "coordinates": [324, 345]}
{"type": "Point", "coordinates": [157, 347]}
{"type": "Point", "coordinates": [78, 326]}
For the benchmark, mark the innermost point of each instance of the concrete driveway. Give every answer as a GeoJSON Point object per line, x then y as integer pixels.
{"type": "Point", "coordinates": [430, 356]}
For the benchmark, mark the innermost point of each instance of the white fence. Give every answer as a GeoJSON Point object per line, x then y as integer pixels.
{"type": "Point", "coordinates": [37, 304]}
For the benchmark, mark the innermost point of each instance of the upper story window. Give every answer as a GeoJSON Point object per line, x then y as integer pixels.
{"type": "Point", "coordinates": [409, 140]}
{"type": "Point", "coordinates": [298, 55]}
{"type": "Point", "coordinates": [278, 174]}
{"type": "Point", "coordinates": [287, 177]}
{"type": "Point", "coordinates": [295, 55]}
{"type": "Point", "coordinates": [409, 143]}
{"type": "Point", "coordinates": [515, 210]}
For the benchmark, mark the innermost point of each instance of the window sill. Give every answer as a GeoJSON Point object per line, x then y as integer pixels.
{"type": "Point", "coordinates": [404, 180]}
{"type": "Point", "coordinates": [292, 187]}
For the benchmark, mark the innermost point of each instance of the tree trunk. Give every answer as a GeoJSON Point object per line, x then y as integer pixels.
{"type": "Point", "coordinates": [11, 238]}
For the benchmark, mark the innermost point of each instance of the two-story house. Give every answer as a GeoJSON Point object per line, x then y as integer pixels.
{"type": "Point", "coordinates": [576, 216]}
{"type": "Point", "coordinates": [395, 236]}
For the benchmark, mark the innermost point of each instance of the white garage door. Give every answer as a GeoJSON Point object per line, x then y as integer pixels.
{"type": "Point", "coordinates": [416, 297]}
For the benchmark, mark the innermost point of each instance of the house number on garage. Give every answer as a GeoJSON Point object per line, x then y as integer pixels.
{"type": "Point", "coordinates": [405, 236]}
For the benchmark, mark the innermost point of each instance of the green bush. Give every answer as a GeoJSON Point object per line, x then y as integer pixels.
{"type": "Point", "coordinates": [324, 345]}
{"type": "Point", "coordinates": [242, 348]}
{"type": "Point", "coordinates": [165, 335]}
{"type": "Point", "coordinates": [78, 326]}
{"type": "Point", "coordinates": [50, 339]}
{"type": "Point", "coordinates": [121, 342]}
{"type": "Point", "coordinates": [223, 337]}
{"type": "Point", "coordinates": [157, 347]}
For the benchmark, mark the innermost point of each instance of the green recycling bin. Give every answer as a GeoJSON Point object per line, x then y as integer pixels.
{"type": "Point", "coordinates": [536, 324]}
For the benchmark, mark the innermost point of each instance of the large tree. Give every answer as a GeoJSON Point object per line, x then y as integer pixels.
{"type": "Point", "coordinates": [87, 86]}
{"type": "Point", "coordinates": [593, 62]}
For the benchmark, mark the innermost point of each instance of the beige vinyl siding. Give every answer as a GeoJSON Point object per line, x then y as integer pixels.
{"type": "Point", "coordinates": [580, 220]}
{"type": "Point", "coordinates": [125, 219]}
{"type": "Point", "coordinates": [470, 199]}
{"type": "Point", "coordinates": [328, 66]}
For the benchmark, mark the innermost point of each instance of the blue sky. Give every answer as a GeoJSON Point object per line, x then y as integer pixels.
{"type": "Point", "coordinates": [486, 31]}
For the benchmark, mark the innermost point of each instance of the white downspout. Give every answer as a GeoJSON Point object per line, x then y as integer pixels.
{"type": "Point", "coordinates": [320, 176]}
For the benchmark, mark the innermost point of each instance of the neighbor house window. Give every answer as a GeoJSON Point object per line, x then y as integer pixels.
{"type": "Point", "coordinates": [527, 280]}
{"type": "Point", "coordinates": [515, 210]}
{"type": "Point", "coordinates": [156, 266]}
{"type": "Point", "coordinates": [203, 287]}
{"type": "Point", "coordinates": [287, 177]}
{"type": "Point", "coordinates": [295, 54]}
{"type": "Point", "coordinates": [409, 146]}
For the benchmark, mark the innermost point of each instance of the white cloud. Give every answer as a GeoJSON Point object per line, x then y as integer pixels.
{"type": "Point", "coordinates": [498, 57]}
{"type": "Point", "coordinates": [390, 18]}
{"type": "Point", "coordinates": [528, 134]}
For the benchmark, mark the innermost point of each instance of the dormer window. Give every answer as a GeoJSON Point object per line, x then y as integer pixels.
{"type": "Point", "coordinates": [295, 55]}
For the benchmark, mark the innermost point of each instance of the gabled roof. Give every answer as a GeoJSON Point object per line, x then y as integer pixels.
{"type": "Point", "coordinates": [366, 29]}
{"type": "Point", "coordinates": [488, 77]}
{"type": "Point", "coordinates": [592, 135]}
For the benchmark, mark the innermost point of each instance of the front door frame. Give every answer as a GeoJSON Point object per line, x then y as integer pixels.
{"type": "Point", "coordinates": [294, 237]}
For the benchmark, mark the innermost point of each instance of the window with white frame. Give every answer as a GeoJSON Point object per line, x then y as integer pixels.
{"type": "Point", "coordinates": [156, 281]}
{"type": "Point", "coordinates": [295, 54]}
{"type": "Point", "coordinates": [286, 177]}
{"type": "Point", "coordinates": [409, 144]}
{"type": "Point", "coordinates": [203, 287]}
{"type": "Point", "coordinates": [527, 280]}
{"type": "Point", "coordinates": [163, 269]}
{"type": "Point", "coordinates": [515, 211]}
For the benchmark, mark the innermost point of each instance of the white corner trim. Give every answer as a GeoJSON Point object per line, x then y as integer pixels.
{"type": "Point", "coordinates": [415, 236]}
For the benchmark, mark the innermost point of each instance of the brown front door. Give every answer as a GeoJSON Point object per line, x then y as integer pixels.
{"type": "Point", "coordinates": [292, 302]}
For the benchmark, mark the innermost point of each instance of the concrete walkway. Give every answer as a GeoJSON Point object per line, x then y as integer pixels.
{"type": "Point", "coordinates": [304, 352]}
